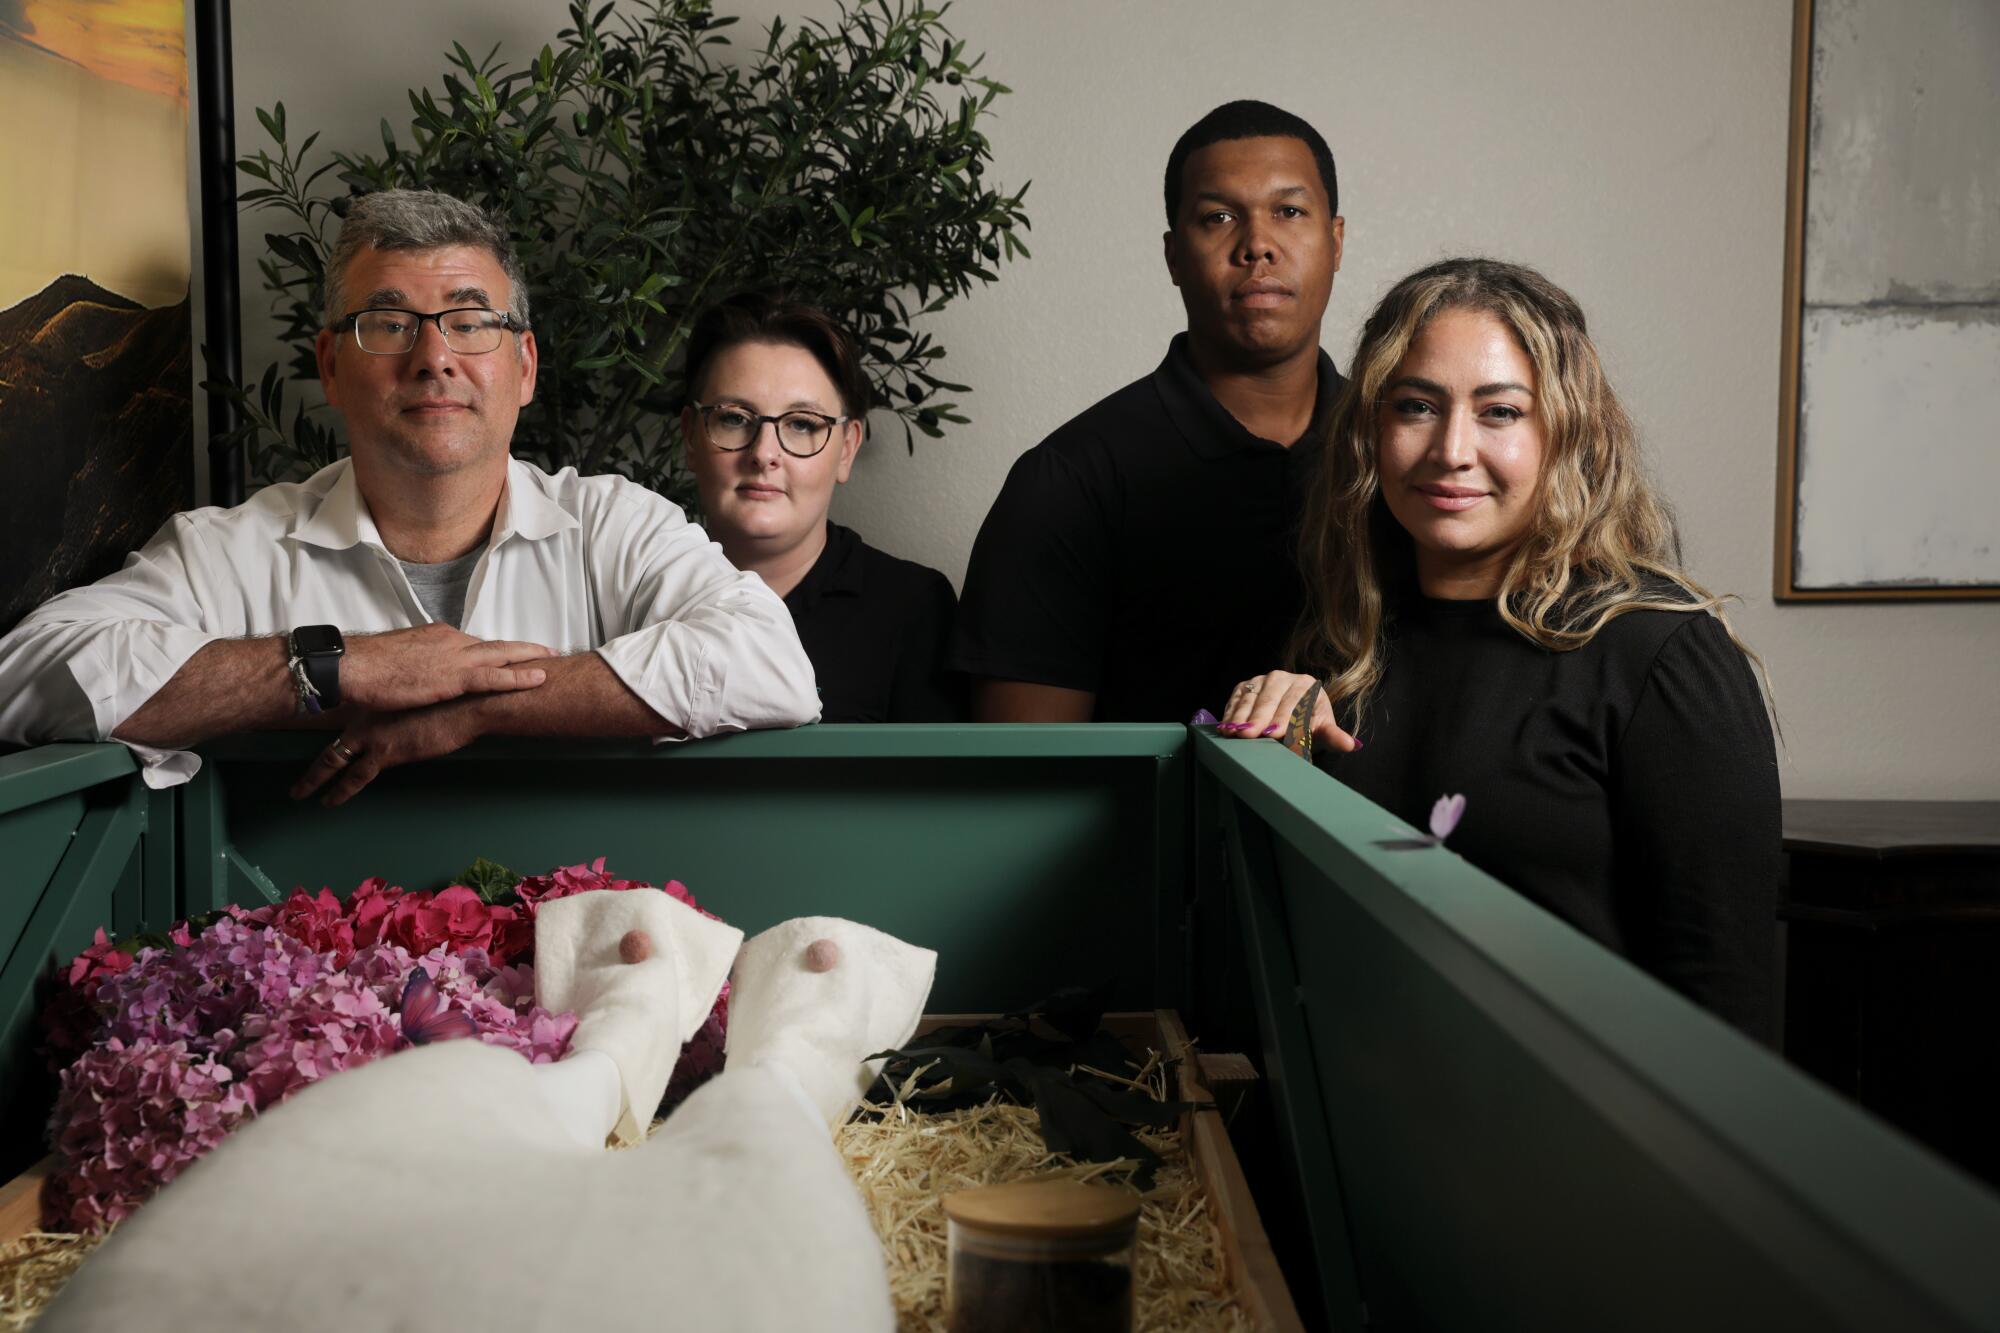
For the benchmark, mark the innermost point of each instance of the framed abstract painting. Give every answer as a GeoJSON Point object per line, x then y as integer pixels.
{"type": "Point", "coordinates": [1889, 423]}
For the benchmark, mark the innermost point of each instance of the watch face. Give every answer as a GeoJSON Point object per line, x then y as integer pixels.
{"type": "Point", "coordinates": [317, 641]}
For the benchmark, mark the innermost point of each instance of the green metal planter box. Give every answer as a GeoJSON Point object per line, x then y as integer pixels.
{"type": "Point", "coordinates": [1485, 1121]}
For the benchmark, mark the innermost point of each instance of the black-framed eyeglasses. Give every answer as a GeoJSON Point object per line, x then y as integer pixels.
{"type": "Point", "coordinates": [801, 434]}
{"type": "Point", "coordinates": [468, 330]}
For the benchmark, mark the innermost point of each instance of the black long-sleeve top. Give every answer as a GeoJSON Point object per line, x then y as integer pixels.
{"type": "Point", "coordinates": [1629, 786]}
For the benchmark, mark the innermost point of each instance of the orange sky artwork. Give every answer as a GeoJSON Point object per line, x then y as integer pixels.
{"type": "Point", "coordinates": [94, 163]}
{"type": "Point", "coordinates": [139, 43]}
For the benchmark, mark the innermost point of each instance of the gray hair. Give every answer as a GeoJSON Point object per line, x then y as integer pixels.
{"type": "Point", "coordinates": [419, 220]}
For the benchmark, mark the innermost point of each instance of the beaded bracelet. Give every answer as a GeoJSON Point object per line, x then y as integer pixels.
{"type": "Point", "coordinates": [308, 692]}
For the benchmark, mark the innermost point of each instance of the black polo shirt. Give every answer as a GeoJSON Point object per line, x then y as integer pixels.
{"type": "Point", "coordinates": [1145, 551]}
{"type": "Point", "coordinates": [876, 629]}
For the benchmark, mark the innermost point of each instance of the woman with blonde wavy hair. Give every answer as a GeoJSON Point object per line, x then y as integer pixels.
{"type": "Point", "coordinates": [1496, 608]}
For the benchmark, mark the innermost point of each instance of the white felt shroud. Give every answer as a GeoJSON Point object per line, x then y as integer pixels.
{"type": "Point", "coordinates": [435, 1189]}
{"type": "Point", "coordinates": [438, 1187]}
{"type": "Point", "coordinates": [819, 1024]}
{"type": "Point", "coordinates": [639, 1014]}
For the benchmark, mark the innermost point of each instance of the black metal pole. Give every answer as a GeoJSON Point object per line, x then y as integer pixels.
{"type": "Point", "coordinates": [222, 333]}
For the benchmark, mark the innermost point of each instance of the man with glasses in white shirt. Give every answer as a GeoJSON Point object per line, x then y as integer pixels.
{"type": "Point", "coordinates": [426, 590]}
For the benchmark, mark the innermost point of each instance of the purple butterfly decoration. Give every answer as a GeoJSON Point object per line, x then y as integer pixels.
{"type": "Point", "coordinates": [425, 1017]}
{"type": "Point", "coordinates": [1445, 815]}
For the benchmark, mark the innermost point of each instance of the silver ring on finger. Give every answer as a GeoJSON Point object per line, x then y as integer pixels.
{"type": "Point", "coordinates": [341, 754]}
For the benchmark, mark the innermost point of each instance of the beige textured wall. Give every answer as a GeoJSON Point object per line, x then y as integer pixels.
{"type": "Point", "coordinates": [1634, 151]}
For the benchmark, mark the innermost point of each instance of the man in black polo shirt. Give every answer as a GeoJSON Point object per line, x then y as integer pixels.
{"type": "Point", "coordinates": [1139, 561]}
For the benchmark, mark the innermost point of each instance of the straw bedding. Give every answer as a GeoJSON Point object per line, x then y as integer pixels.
{"type": "Point", "coordinates": [33, 1269]}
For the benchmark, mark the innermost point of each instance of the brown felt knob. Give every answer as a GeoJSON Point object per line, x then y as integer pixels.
{"type": "Point", "coordinates": [822, 956]}
{"type": "Point", "coordinates": [636, 946]}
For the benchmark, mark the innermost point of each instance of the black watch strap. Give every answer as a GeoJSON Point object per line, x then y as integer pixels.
{"type": "Point", "coordinates": [323, 670]}
{"type": "Point", "coordinates": [318, 650]}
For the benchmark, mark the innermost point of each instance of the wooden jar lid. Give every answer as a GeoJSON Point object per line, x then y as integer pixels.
{"type": "Point", "coordinates": [1057, 1209]}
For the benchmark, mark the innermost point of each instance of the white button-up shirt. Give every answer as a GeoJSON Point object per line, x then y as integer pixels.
{"type": "Point", "coordinates": [574, 563]}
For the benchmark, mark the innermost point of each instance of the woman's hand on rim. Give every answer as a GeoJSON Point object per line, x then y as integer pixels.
{"type": "Point", "coordinates": [1260, 708]}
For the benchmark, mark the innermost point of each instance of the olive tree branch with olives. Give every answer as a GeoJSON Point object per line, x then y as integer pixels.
{"type": "Point", "coordinates": [645, 175]}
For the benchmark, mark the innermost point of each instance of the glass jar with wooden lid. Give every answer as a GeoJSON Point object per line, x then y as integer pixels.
{"type": "Point", "coordinates": [1051, 1256]}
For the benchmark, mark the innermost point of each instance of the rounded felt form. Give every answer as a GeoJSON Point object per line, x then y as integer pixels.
{"type": "Point", "coordinates": [637, 1012]}
{"type": "Point", "coordinates": [858, 991]}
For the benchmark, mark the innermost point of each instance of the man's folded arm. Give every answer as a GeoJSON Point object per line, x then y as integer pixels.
{"type": "Point", "coordinates": [229, 685]}
{"type": "Point", "coordinates": [582, 696]}
{"type": "Point", "coordinates": [82, 664]}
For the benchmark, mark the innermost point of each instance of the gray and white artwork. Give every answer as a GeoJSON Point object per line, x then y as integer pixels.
{"type": "Point", "coordinates": [1898, 449]}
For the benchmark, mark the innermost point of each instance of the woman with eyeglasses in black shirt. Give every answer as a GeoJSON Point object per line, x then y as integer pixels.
{"type": "Point", "coordinates": [777, 412]}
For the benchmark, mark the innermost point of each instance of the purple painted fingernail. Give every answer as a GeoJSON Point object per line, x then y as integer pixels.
{"type": "Point", "coordinates": [1357, 742]}
{"type": "Point", "coordinates": [1272, 730]}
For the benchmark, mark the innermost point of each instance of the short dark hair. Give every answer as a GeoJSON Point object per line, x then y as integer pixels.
{"type": "Point", "coordinates": [418, 220]}
{"type": "Point", "coordinates": [1248, 120]}
{"type": "Point", "coordinates": [773, 317]}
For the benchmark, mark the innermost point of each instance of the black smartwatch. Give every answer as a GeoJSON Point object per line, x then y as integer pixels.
{"type": "Point", "coordinates": [316, 654]}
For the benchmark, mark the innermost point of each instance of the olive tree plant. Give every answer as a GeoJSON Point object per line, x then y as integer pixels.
{"type": "Point", "coordinates": [647, 170]}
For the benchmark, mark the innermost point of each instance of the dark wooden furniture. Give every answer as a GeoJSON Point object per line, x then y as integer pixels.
{"type": "Point", "coordinates": [1892, 989]}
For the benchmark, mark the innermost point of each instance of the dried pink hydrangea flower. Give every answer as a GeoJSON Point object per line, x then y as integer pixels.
{"type": "Point", "coordinates": [128, 1120]}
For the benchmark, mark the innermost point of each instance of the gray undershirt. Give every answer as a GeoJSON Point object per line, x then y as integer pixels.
{"type": "Point", "coordinates": [441, 588]}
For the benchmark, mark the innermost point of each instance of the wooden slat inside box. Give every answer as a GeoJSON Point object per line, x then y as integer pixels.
{"type": "Point", "coordinates": [21, 1201]}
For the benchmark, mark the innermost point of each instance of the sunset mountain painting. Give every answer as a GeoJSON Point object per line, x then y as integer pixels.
{"type": "Point", "coordinates": [96, 371]}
